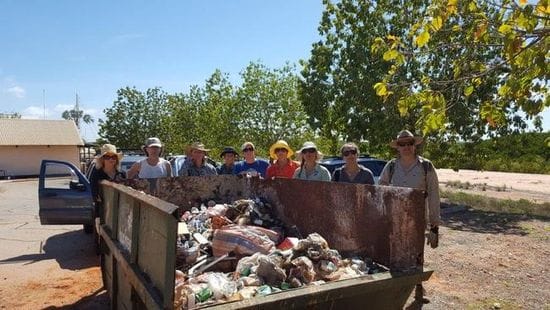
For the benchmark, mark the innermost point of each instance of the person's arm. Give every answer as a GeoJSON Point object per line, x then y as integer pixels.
{"type": "Point", "coordinates": [269, 172]}
{"type": "Point", "coordinates": [94, 184]}
{"type": "Point", "coordinates": [134, 170]}
{"type": "Point", "coordinates": [385, 175]}
{"type": "Point", "coordinates": [168, 169]}
{"type": "Point", "coordinates": [370, 176]}
{"type": "Point", "coordinates": [434, 203]}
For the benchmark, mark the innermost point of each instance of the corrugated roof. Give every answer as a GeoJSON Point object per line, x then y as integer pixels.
{"type": "Point", "coordinates": [38, 132]}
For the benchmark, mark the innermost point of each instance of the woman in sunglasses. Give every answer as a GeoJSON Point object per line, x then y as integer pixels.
{"type": "Point", "coordinates": [351, 171]}
{"type": "Point", "coordinates": [106, 168]}
{"type": "Point", "coordinates": [310, 168]}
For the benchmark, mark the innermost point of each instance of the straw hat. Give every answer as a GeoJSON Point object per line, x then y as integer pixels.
{"type": "Point", "coordinates": [405, 135]}
{"type": "Point", "coordinates": [198, 146]}
{"type": "Point", "coordinates": [309, 145]}
{"type": "Point", "coordinates": [281, 144]}
{"type": "Point", "coordinates": [107, 149]}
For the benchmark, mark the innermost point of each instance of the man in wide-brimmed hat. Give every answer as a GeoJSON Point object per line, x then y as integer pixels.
{"type": "Point", "coordinates": [153, 166]}
{"type": "Point", "coordinates": [283, 166]}
{"type": "Point", "coordinates": [229, 155]}
{"type": "Point", "coordinates": [251, 165]}
{"type": "Point", "coordinates": [411, 170]}
{"type": "Point", "coordinates": [197, 166]}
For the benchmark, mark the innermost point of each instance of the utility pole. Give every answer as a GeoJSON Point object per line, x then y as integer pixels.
{"type": "Point", "coordinates": [44, 101]}
{"type": "Point", "coordinates": [76, 112]}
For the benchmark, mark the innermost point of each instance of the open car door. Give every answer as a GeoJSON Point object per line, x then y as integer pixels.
{"type": "Point", "coordinates": [64, 195]}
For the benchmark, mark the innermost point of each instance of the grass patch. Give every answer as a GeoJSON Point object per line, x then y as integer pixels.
{"type": "Point", "coordinates": [478, 202]}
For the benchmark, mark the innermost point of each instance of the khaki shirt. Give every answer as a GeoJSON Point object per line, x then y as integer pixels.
{"type": "Point", "coordinates": [413, 177]}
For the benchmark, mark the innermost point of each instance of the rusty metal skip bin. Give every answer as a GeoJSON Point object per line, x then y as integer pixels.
{"type": "Point", "coordinates": [138, 231]}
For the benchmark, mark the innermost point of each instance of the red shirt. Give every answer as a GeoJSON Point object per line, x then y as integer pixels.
{"type": "Point", "coordinates": [287, 171]}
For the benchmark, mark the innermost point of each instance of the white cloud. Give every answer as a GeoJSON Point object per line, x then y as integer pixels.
{"type": "Point", "coordinates": [34, 112]}
{"type": "Point", "coordinates": [16, 91]}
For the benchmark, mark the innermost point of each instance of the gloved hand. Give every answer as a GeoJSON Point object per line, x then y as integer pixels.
{"type": "Point", "coordinates": [432, 237]}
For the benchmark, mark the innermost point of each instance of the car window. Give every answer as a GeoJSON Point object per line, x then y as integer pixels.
{"type": "Point", "coordinates": [57, 176]}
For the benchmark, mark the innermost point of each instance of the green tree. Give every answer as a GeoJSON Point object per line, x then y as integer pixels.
{"type": "Point", "coordinates": [135, 116]}
{"type": "Point", "coordinates": [337, 80]}
{"type": "Point", "coordinates": [480, 59]}
{"type": "Point", "coordinates": [269, 107]}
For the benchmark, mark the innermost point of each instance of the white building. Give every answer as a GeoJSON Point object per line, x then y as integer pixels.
{"type": "Point", "coordinates": [25, 142]}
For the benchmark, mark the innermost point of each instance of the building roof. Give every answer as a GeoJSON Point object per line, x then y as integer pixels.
{"type": "Point", "coordinates": [38, 132]}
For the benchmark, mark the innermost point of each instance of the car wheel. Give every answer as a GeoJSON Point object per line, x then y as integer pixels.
{"type": "Point", "coordinates": [88, 228]}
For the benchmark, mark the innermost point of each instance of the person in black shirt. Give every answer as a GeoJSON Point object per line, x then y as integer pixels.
{"type": "Point", "coordinates": [106, 168]}
{"type": "Point", "coordinates": [229, 156]}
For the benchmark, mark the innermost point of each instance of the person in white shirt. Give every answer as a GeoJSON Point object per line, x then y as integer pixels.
{"type": "Point", "coordinates": [153, 166]}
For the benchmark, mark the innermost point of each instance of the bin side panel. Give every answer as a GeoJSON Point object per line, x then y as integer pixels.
{"type": "Point", "coordinates": [125, 216]}
{"type": "Point", "coordinates": [355, 219]}
{"type": "Point", "coordinates": [152, 250]}
{"type": "Point", "coordinates": [187, 192]}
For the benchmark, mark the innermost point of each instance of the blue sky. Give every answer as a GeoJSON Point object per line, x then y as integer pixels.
{"type": "Point", "coordinates": [94, 48]}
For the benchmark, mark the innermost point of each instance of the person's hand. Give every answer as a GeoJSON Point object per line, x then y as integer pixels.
{"type": "Point", "coordinates": [432, 238]}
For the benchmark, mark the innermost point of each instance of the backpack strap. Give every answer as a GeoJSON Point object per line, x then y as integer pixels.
{"type": "Point", "coordinates": [392, 169]}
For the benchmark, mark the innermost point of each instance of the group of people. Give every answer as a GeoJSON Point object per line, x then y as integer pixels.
{"type": "Point", "coordinates": [307, 166]}
{"type": "Point", "coordinates": [408, 169]}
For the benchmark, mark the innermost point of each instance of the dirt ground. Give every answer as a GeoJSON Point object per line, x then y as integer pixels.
{"type": "Point", "coordinates": [484, 261]}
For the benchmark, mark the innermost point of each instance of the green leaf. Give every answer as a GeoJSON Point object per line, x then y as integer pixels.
{"type": "Point", "coordinates": [468, 90]}
{"type": "Point", "coordinates": [391, 54]}
{"type": "Point", "coordinates": [422, 39]}
{"type": "Point", "coordinates": [505, 29]}
{"type": "Point", "coordinates": [380, 89]}
{"type": "Point", "coordinates": [437, 22]}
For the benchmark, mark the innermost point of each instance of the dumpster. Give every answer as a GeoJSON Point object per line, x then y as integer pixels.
{"type": "Point", "coordinates": [139, 222]}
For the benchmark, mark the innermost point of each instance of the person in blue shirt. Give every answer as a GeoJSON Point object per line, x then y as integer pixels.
{"type": "Point", "coordinates": [251, 165]}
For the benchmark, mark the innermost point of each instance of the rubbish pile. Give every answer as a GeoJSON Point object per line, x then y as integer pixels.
{"type": "Point", "coordinates": [239, 251]}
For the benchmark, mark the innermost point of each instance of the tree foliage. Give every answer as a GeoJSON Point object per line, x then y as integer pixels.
{"type": "Point", "coordinates": [134, 117]}
{"type": "Point", "coordinates": [77, 116]}
{"type": "Point", "coordinates": [480, 63]}
{"type": "Point", "coordinates": [337, 80]}
{"type": "Point", "coordinates": [262, 109]}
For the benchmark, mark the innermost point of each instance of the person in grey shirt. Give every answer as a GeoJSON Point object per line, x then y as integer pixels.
{"type": "Point", "coordinates": [197, 165]}
{"type": "Point", "coordinates": [310, 169]}
{"type": "Point", "coordinates": [411, 170]}
{"type": "Point", "coordinates": [351, 171]}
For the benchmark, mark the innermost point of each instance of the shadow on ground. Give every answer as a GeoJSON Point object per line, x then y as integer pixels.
{"type": "Point", "coordinates": [72, 250]}
{"type": "Point", "coordinates": [97, 300]}
{"type": "Point", "coordinates": [485, 221]}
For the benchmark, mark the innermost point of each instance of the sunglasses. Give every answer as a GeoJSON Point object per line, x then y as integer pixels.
{"type": "Point", "coordinates": [348, 152]}
{"type": "Point", "coordinates": [110, 157]}
{"type": "Point", "coordinates": [248, 149]}
{"type": "Point", "coordinates": [411, 143]}
{"type": "Point", "coordinates": [311, 150]}
{"type": "Point", "coordinates": [281, 149]}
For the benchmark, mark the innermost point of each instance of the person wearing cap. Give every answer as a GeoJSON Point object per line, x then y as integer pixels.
{"type": "Point", "coordinates": [411, 170]}
{"type": "Point", "coordinates": [229, 155]}
{"type": "Point", "coordinates": [251, 165]}
{"type": "Point", "coordinates": [153, 166]}
{"type": "Point", "coordinates": [310, 168]}
{"type": "Point", "coordinates": [198, 166]}
{"type": "Point", "coordinates": [106, 167]}
{"type": "Point", "coordinates": [351, 171]}
{"type": "Point", "coordinates": [283, 166]}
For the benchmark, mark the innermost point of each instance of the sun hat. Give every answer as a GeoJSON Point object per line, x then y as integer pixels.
{"type": "Point", "coordinates": [247, 144]}
{"type": "Point", "coordinates": [281, 144]}
{"type": "Point", "coordinates": [107, 149]}
{"type": "Point", "coordinates": [198, 146]}
{"type": "Point", "coordinates": [153, 141]}
{"type": "Point", "coordinates": [228, 150]}
{"type": "Point", "coordinates": [405, 135]}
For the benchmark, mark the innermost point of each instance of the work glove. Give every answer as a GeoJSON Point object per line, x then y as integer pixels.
{"type": "Point", "coordinates": [432, 237]}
